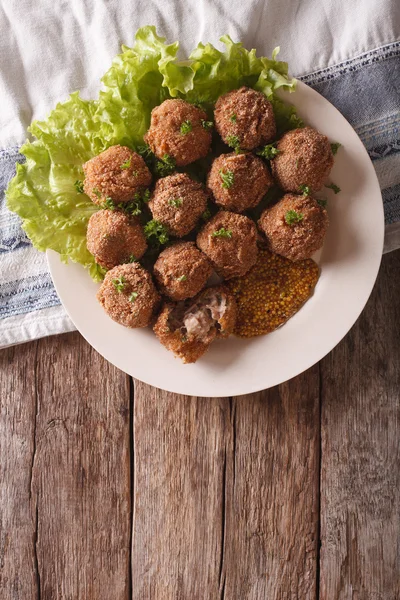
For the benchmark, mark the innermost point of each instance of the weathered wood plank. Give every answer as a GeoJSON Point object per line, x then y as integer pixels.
{"type": "Point", "coordinates": [360, 476]}
{"type": "Point", "coordinates": [178, 503]}
{"type": "Point", "coordinates": [79, 464]}
{"type": "Point", "coordinates": [18, 568]}
{"type": "Point", "coordinates": [226, 494]}
{"type": "Point", "coordinates": [270, 548]}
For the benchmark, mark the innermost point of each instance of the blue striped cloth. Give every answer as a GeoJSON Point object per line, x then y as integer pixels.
{"type": "Point", "coordinates": [365, 90]}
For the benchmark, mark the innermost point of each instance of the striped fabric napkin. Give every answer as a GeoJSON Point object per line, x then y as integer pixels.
{"type": "Point", "coordinates": [364, 86]}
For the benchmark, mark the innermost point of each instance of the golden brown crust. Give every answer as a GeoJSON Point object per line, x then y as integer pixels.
{"type": "Point", "coordinates": [181, 271]}
{"type": "Point", "coordinates": [230, 256]}
{"type": "Point", "coordinates": [251, 181]}
{"type": "Point", "coordinates": [105, 178]}
{"type": "Point", "coordinates": [115, 238]}
{"type": "Point", "coordinates": [178, 202]}
{"type": "Point", "coordinates": [299, 240]}
{"type": "Point", "coordinates": [134, 304]}
{"type": "Point", "coordinates": [305, 158]}
{"type": "Point", "coordinates": [188, 350]}
{"type": "Point", "coordinates": [165, 135]}
{"type": "Point", "coordinates": [189, 347]}
{"type": "Point", "coordinates": [246, 114]}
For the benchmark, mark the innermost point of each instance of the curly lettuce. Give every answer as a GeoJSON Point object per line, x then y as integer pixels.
{"type": "Point", "coordinates": [43, 193]}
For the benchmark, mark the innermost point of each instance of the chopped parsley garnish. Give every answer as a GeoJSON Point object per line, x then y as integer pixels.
{"type": "Point", "coordinates": [207, 124]}
{"type": "Point", "coordinates": [269, 152]}
{"type": "Point", "coordinates": [233, 118]}
{"type": "Point", "coordinates": [206, 214]}
{"type": "Point", "coordinates": [222, 232]}
{"type": "Point", "coordinates": [175, 202]}
{"type": "Point", "coordinates": [97, 192]}
{"type": "Point", "coordinates": [181, 278]}
{"type": "Point", "coordinates": [119, 283]}
{"type": "Point", "coordinates": [146, 195]}
{"type": "Point", "coordinates": [333, 187]}
{"type": "Point", "coordinates": [335, 147]}
{"type": "Point", "coordinates": [227, 179]}
{"type": "Point", "coordinates": [134, 207]}
{"type": "Point", "coordinates": [305, 189]}
{"type": "Point", "coordinates": [145, 151]}
{"type": "Point", "coordinates": [322, 202]}
{"type": "Point", "coordinates": [156, 233]}
{"type": "Point", "coordinates": [127, 164]}
{"type": "Point", "coordinates": [292, 217]}
{"type": "Point", "coordinates": [132, 259]}
{"type": "Point", "coordinates": [234, 142]}
{"type": "Point", "coordinates": [109, 203]}
{"type": "Point", "coordinates": [165, 166]}
{"type": "Point", "coordinates": [79, 186]}
{"type": "Point", "coordinates": [186, 127]}
{"type": "Point", "coordinates": [133, 296]}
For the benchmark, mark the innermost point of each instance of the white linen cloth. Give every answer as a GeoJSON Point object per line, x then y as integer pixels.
{"type": "Point", "coordinates": [50, 48]}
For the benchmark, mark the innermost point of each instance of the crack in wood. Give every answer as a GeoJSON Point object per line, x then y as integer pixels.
{"type": "Point", "coordinates": [221, 577]}
{"type": "Point", "coordinates": [132, 478]}
{"type": "Point", "coordinates": [319, 458]}
{"type": "Point", "coordinates": [32, 466]}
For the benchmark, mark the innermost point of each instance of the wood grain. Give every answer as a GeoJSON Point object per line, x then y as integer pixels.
{"type": "Point", "coordinates": [76, 433]}
{"type": "Point", "coordinates": [271, 537]}
{"type": "Point", "coordinates": [180, 447]}
{"type": "Point", "coordinates": [360, 483]}
{"type": "Point", "coordinates": [225, 497]}
{"type": "Point", "coordinates": [18, 565]}
{"type": "Point", "coordinates": [226, 494]}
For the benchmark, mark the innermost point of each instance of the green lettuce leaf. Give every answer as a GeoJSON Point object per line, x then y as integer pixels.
{"type": "Point", "coordinates": [43, 192]}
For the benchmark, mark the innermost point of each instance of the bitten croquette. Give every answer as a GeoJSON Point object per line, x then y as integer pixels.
{"type": "Point", "coordinates": [238, 181]}
{"type": "Point", "coordinates": [230, 242]}
{"type": "Point", "coordinates": [295, 227]}
{"type": "Point", "coordinates": [304, 159]}
{"type": "Point", "coordinates": [116, 174]}
{"type": "Point", "coordinates": [178, 130]}
{"type": "Point", "coordinates": [115, 238]}
{"type": "Point", "coordinates": [128, 295]}
{"type": "Point", "coordinates": [188, 328]}
{"type": "Point", "coordinates": [178, 202]}
{"type": "Point", "coordinates": [245, 118]}
{"type": "Point", "coordinates": [181, 271]}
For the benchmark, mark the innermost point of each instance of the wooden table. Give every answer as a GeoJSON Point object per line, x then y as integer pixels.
{"type": "Point", "coordinates": [111, 489]}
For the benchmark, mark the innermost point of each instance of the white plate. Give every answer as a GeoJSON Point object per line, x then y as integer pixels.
{"type": "Point", "coordinates": [349, 265]}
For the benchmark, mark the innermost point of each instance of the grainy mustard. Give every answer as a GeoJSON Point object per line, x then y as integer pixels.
{"type": "Point", "coordinates": [271, 292]}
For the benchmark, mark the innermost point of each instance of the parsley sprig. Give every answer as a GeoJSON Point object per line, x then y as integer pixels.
{"type": "Point", "coordinates": [181, 278]}
{"type": "Point", "coordinates": [165, 166]}
{"type": "Point", "coordinates": [126, 164]}
{"type": "Point", "coordinates": [79, 186]}
{"type": "Point", "coordinates": [335, 147]}
{"type": "Point", "coordinates": [207, 124]}
{"type": "Point", "coordinates": [133, 296]}
{"type": "Point", "coordinates": [119, 283]}
{"type": "Point", "coordinates": [268, 152]}
{"type": "Point", "coordinates": [233, 118]}
{"type": "Point", "coordinates": [292, 217]}
{"type": "Point", "coordinates": [234, 142]}
{"type": "Point", "coordinates": [186, 127]}
{"type": "Point", "coordinates": [156, 233]}
{"type": "Point", "coordinates": [223, 233]}
{"type": "Point", "coordinates": [160, 167]}
{"type": "Point", "coordinates": [177, 202]}
{"type": "Point", "coordinates": [305, 189]}
{"type": "Point", "coordinates": [227, 179]}
{"type": "Point", "coordinates": [333, 187]}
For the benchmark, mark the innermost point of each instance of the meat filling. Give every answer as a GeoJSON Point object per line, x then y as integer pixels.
{"type": "Point", "coordinates": [198, 319]}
